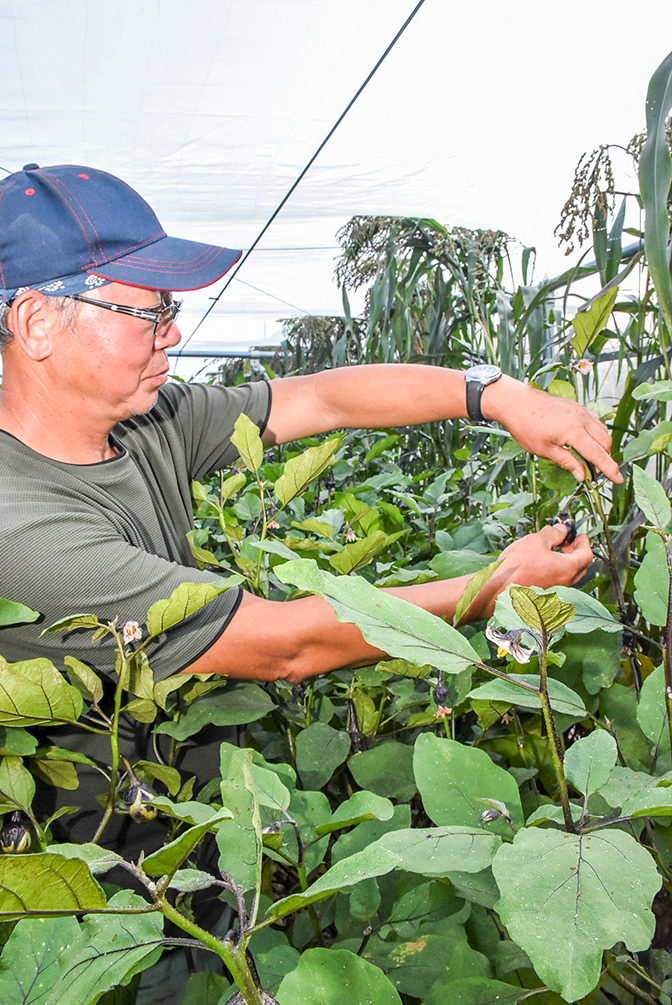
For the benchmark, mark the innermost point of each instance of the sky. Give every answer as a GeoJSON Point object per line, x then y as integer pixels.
{"type": "Point", "coordinates": [213, 108]}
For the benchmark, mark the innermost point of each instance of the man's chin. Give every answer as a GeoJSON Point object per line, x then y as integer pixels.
{"type": "Point", "coordinates": [141, 405]}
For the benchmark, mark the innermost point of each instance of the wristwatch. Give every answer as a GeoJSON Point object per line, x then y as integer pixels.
{"type": "Point", "coordinates": [477, 378]}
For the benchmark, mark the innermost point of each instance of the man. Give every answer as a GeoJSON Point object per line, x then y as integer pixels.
{"type": "Point", "coordinates": [98, 451]}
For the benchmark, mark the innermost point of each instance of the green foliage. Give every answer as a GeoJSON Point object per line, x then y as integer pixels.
{"type": "Point", "coordinates": [567, 897]}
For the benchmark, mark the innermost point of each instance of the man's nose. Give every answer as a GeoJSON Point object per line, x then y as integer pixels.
{"type": "Point", "coordinates": [169, 336]}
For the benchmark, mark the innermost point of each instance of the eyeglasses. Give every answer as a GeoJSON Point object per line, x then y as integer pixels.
{"type": "Point", "coordinates": [160, 318]}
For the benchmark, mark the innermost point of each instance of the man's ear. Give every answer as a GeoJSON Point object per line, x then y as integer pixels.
{"type": "Point", "coordinates": [33, 322]}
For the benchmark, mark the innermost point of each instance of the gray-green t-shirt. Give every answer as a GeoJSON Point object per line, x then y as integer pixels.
{"type": "Point", "coordinates": [110, 538]}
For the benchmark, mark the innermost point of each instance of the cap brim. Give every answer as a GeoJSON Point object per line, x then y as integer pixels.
{"type": "Point", "coordinates": [170, 263]}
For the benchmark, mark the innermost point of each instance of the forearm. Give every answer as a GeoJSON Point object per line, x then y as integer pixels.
{"type": "Point", "coordinates": [298, 639]}
{"type": "Point", "coordinates": [366, 397]}
{"type": "Point", "coordinates": [403, 394]}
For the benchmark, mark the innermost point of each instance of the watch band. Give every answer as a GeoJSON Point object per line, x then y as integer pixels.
{"type": "Point", "coordinates": [474, 394]}
{"type": "Point", "coordinates": [477, 379]}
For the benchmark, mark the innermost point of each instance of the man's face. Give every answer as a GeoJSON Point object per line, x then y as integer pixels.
{"type": "Point", "coordinates": [113, 363]}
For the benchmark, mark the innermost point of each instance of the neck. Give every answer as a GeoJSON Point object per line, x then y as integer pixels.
{"type": "Point", "coordinates": [47, 429]}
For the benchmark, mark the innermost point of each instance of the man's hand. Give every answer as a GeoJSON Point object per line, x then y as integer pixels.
{"type": "Point", "coordinates": [534, 561]}
{"type": "Point", "coordinates": [547, 425]}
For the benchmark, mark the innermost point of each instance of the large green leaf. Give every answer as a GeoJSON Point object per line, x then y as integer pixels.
{"type": "Point", "coordinates": [589, 613]}
{"type": "Point", "coordinates": [46, 883]}
{"type": "Point", "coordinates": [653, 440]}
{"type": "Point", "coordinates": [386, 769]}
{"type": "Point", "coordinates": [417, 964]}
{"type": "Point", "coordinates": [590, 760]}
{"type": "Point", "coordinates": [239, 839]}
{"type": "Point", "coordinates": [393, 625]}
{"type": "Point", "coordinates": [473, 588]}
{"type": "Point", "coordinates": [589, 323]}
{"type": "Point", "coordinates": [456, 781]}
{"type": "Point", "coordinates": [373, 861]}
{"type": "Point", "coordinates": [334, 975]}
{"type": "Point", "coordinates": [652, 581]}
{"type": "Point", "coordinates": [545, 613]}
{"type": "Point", "coordinates": [207, 988]}
{"type": "Point", "coordinates": [652, 801]}
{"type": "Point", "coordinates": [359, 553]}
{"type": "Point", "coordinates": [562, 698]}
{"type": "Point", "coordinates": [168, 859]}
{"type": "Point", "coordinates": [72, 622]}
{"type": "Point", "coordinates": [12, 613]}
{"type": "Point", "coordinates": [108, 952]}
{"type": "Point", "coordinates": [652, 711]}
{"type": "Point", "coordinates": [359, 807]}
{"type": "Point", "coordinates": [239, 702]}
{"type": "Point", "coordinates": [30, 961]}
{"type": "Point", "coordinates": [247, 441]}
{"type": "Point", "coordinates": [655, 175]}
{"type": "Point", "coordinates": [99, 860]}
{"type": "Point", "coordinates": [14, 740]}
{"type": "Point", "coordinates": [17, 786]}
{"type": "Point", "coordinates": [33, 692]}
{"type": "Point", "coordinates": [300, 471]}
{"type": "Point", "coordinates": [270, 789]}
{"type": "Point", "coordinates": [84, 679]}
{"type": "Point", "coordinates": [651, 498]}
{"type": "Point", "coordinates": [448, 564]}
{"type": "Point", "coordinates": [660, 390]}
{"type": "Point", "coordinates": [475, 991]}
{"type": "Point", "coordinates": [438, 851]}
{"type": "Point", "coordinates": [320, 749]}
{"type": "Point", "coordinates": [183, 601]}
{"type": "Point", "coordinates": [567, 897]}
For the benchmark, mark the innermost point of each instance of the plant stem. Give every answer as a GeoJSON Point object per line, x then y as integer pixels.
{"type": "Point", "coordinates": [556, 748]}
{"type": "Point", "coordinates": [114, 744]}
{"type": "Point", "coordinates": [614, 576]}
{"type": "Point", "coordinates": [233, 957]}
{"type": "Point", "coordinates": [667, 647]}
{"type": "Point", "coordinates": [623, 982]}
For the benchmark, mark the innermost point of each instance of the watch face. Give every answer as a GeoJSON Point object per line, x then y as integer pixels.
{"type": "Point", "coordinates": [485, 373]}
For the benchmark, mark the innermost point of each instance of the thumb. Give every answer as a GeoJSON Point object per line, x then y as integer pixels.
{"type": "Point", "coordinates": [554, 535]}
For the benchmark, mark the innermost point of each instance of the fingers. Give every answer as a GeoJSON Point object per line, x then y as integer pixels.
{"type": "Point", "coordinates": [592, 440]}
{"type": "Point", "coordinates": [580, 551]}
{"type": "Point", "coordinates": [542, 559]}
{"type": "Point", "coordinates": [551, 424]}
{"type": "Point", "coordinates": [595, 448]}
{"type": "Point", "coordinates": [554, 534]}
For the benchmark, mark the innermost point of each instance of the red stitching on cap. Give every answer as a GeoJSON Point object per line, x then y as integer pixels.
{"type": "Point", "coordinates": [84, 176]}
{"type": "Point", "coordinates": [29, 191]}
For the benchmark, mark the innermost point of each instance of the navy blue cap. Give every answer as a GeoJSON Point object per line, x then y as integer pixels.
{"type": "Point", "coordinates": [66, 229]}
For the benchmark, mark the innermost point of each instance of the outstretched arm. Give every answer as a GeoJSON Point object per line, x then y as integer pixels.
{"type": "Point", "coordinates": [403, 394]}
{"type": "Point", "coordinates": [297, 639]}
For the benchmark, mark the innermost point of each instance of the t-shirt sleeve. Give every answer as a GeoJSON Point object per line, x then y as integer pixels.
{"type": "Point", "coordinates": [87, 568]}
